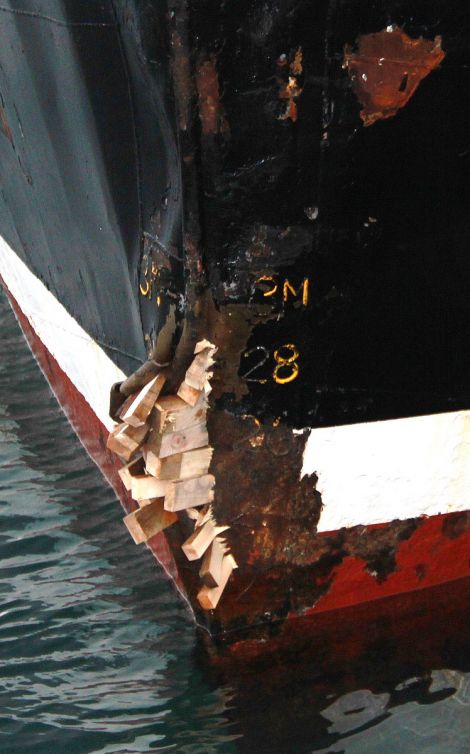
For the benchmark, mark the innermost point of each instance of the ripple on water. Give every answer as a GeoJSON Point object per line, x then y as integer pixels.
{"type": "Point", "coordinates": [95, 646]}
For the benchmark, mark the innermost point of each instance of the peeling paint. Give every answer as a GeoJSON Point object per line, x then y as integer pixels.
{"type": "Point", "coordinates": [289, 82]}
{"type": "Point", "coordinates": [387, 68]}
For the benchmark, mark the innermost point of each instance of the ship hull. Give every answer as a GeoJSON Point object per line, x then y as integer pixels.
{"type": "Point", "coordinates": [429, 551]}
{"type": "Point", "coordinates": [290, 183]}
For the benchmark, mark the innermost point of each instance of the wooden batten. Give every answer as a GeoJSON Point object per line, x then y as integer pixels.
{"type": "Point", "coordinates": [170, 469]}
{"type": "Point", "coordinates": [144, 487]}
{"type": "Point", "coordinates": [126, 440]}
{"type": "Point", "coordinates": [178, 442]}
{"type": "Point", "coordinates": [211, 567]}
{"type": "Point", "coordinates": [196, 545]}
{"type": "Point", "coordinates": [197, 375]}
{"type": "Point", "coordinates": [148, 521]}
{"type": "Point", "coordinates": [152, 462]}
{"type": "Point", "coordinates": [181, 465]}
{"type": "Point", "coordinates": [171, 472]}
{"type": "Point", "coordinates": [134, 467]}
{"type": "Point", "coordinates": [173, 414]}
{"type": "Point", "coordinates": [189, 493]}
{"type": "Point", "coordinates": [137, 412]}
{"type": "Point", "coordinates": [189, 394]}
{"type": "Point", "coordinates": [208, 597]}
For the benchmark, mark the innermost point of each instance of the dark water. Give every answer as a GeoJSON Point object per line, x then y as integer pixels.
{"type": "Point", "coordinates": [97, 653]}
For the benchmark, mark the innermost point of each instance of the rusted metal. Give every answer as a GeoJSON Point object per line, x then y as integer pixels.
{"type": "Point", "coordinates": [387, 68]}
{"type": "Point", "coordinates": [210, 108]}
{"type": "Point", "coordinates": [265, 121]}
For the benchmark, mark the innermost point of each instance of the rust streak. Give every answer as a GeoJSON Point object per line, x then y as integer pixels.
{"type": "Point", "coordinates": [290, 88]}
{"type": "Point", "coordinates": [210, 110]}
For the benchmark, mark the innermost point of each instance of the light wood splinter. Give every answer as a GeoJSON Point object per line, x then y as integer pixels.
{"type": "Point", "coordinates": [148, 521]}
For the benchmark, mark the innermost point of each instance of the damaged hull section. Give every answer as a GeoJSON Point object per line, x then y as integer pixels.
{"type": "Point", "coordinates": [287, 568]}
{"type": "Point", "coordinates": [265, 209]}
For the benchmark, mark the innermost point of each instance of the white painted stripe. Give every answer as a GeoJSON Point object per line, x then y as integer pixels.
{"type": "Point", "coordinates": [78, 355]}
{"type": "Point", "coordinates": [380, 471]}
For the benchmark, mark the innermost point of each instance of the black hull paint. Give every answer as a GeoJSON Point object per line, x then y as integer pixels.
{"type": "Point", "coordinates": [99, 102]}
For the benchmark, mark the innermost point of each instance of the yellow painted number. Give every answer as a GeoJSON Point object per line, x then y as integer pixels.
{"type": "Point", "coordinates": [287, 368]}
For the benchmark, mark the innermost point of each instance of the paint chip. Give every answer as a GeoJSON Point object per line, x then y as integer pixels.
{"type": "Point", "coordinates": [387, 68]}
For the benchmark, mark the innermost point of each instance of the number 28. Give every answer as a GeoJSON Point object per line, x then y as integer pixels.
{"type": "Point", "coordinates": [286, 369]}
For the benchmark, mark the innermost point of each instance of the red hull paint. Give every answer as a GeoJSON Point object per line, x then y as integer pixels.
{"type": "Point", "coordinates": [410, 619]}
{"type": "Point", "coordinates": [91, 432]}
{"type": "Point", "coordinates": [429, 558]}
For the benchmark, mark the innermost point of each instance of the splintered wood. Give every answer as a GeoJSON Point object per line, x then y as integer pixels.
{"type": "Point", "coordinates": [178, 442]}
{"type": "Point", "coordinates": [148, 521]}
{"type": "Point", "coordinates": [197, 379]}
{"type": "Point", "coordinates": [192, 463]}
{"type": "Point", "coordinates": [133, 468]}
{"type": "Point", "coordinates": [173, 414]}
{"type": "Point", "coordinates": [209, 597]}
{"type": "Point", "coordinates": [211, 567]}
{"type": "Point", "coordinates": [138, 411]}
{"type": "Point", "coordinates": [196, 545]}
{"type": "Point", "coordinates": [163, 440]}
{"type": "Point", "coordinates": [126, 440]}
{"type": "Point", "coordinates": [190, 493]}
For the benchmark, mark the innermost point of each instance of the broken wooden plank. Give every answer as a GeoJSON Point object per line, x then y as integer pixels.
{"type": "Point", "coordinates": [196, 545]}
{"type": "Point", "coordinates": [173, 414]}
{"type": "Point", "coordinates": [165, 406]}
{"type": "Point", "coordinates": [211, 567]}
{"type": "Point", "coordinates": [197, 374]}
{"type": "Point", "coordinates": [148, 521]}
{"type": "Point", "coordinates": [126, 440]}
{"type": "Point", "coordinates": [134, 467]}
{"type": "Point", "coordinates": [181, 465]}
{"type": "Point", "coordinates": [138, 411]}
{"type": "Point", "coordinates": [208, 597]}
{"type": "Point", "coordinates": [152, 462]}
{"type": "Point", "coordinates": [178, 442]}
{"type": "Point", "coordinates": [189, 394]}
{"type": "Point", "coordinates": [145, 486]}
{"type": "Point", "coordinates": [189, 493]}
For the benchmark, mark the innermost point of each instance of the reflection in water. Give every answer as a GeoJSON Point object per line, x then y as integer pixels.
{"type": "Point", "coordinates": [98, 654]}
{"type": "Point", "coordinates": [365, 680]}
